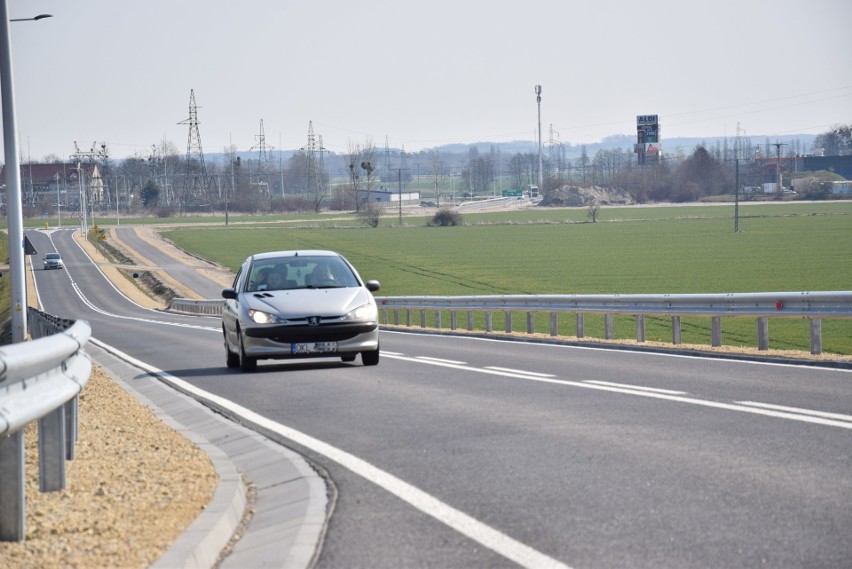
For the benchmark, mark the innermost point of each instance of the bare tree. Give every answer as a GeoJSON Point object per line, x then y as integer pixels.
{"type": "Point", "coordinates": [362, 162]}
{"type": "Point", "coordinates": [592, 211]}
{"type": "Point", "coordinates": [371, 212]}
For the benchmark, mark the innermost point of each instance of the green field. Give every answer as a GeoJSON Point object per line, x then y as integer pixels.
{"type": "Point", "coordinates": [781, 247]}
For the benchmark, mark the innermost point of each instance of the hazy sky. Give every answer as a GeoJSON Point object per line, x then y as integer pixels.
{"type": "Point", "coordinates": [423, 73]}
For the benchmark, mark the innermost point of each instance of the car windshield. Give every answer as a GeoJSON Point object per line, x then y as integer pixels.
{"type": "Point", "coordinates": [285, 273]}
{"type": "Point", "coordinates": [52, 256]}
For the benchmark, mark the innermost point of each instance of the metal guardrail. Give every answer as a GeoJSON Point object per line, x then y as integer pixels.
{"type": "Point", "coordinates": [212, 307]}
{"type": "Point", "coordinates": [813, 306]}
{"type": "Point", "coordinates": [39, 381]}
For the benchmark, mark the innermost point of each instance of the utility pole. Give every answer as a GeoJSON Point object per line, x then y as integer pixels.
{"type": "Point", "coordinates": [399, 189]}
{"type": "Point", "coordinates": [737, 196]}
{"type": "Point", "coordinates": [540, 171]}
{"type": "Point", "coordinates": [778, 190]}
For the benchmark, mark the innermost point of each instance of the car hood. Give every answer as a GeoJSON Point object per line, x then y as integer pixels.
{"type": "Point", "coordinates": [309, 302]}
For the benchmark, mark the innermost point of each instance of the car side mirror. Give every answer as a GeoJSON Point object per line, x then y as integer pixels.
{"type": "Point", "coordinates": [229, 293]}
{"type": "Point", "coordinates": [373, 286]}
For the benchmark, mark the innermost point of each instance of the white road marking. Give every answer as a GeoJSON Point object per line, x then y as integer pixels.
{"type": "Point", "coordinates": [441, 361]}
{"type": "Point", "coordinates": [823, 414]}
{"type": "Point", "coordinates": [827, 422]}
{"type": "Point", "coordinates": [636, 387]}
{"type": "Point", "coordinates": [520, 371]}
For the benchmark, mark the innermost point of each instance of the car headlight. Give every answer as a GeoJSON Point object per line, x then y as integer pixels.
{"type": "Point", "coordinates": [262, 317]}
{"type": "Point", "coordinates": [365, 312]}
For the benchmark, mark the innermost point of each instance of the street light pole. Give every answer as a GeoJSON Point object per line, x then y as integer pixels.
{"type": "Point", "coordinates": [18, 286]}
{"type": "Point", "coordinates": [12, 489]}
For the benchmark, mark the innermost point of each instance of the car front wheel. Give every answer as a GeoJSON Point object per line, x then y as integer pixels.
{"type": "Point", "coordinates": [232, 360]}
{"type": "Point", "coordinates": [370, 358]}
{"type": "Point", "coordinates": [247, 363]}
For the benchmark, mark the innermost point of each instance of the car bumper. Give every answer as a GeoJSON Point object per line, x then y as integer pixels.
{"type": "Point", "coordinates": [276, 342]}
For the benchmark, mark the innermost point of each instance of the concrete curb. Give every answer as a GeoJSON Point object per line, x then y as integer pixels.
{"type": "Point", "coordinates": [205, 538]}
{"type": "Point", "coordinates": [290, 514]}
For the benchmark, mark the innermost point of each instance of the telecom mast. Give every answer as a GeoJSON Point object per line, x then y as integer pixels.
{"type": "Point", "coordinates": [195, 172]}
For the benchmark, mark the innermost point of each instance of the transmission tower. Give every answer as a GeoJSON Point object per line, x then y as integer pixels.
{"type": "Point", "coordinates": [554, 154]}
{"type": "Point", "coordinates": [85, 189]}
{"type": "Point", "coordinates": [262, 161]}
{"type": "Point", "coordinates": [262, 147]}
{"type": "Point", "coordinates": [313, 148]}
{"type": "Point", "coordinates": [195, 173]}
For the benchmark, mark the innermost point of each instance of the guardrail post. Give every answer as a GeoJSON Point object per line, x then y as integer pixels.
{"type": "Point", "coordinates": [454, 320]}
{"type": "Point", "coordinates": [763, 333]}
{"type": "Point", "coordinates": [508, 322]}
{"type": "Point", "coordinates": [716, 331]}
{"type": "Point", "coordinates": [470, 320]}
{"type": "Point", "coordinates": [640, 328]}
{"type": "Point", "coordinates": [12, 508]}
{"type": "Point", "coordinates": [581, 325]}
{"type": "Point", "coordinates": [72, 428]}
{"type": "Point", "coordinates": [51, 451]}
{"type": "Point", "coordinates": [816, 336]}
{"type": "Point", "coordinates": [408, 317]}
{"type": "Point", "coordinates": [530, 323]}
{"type": "Point", "coordinates": [385, 316]}
{"type": "Point", "coordinates": [438, 319]}
{"type": "Point", "coordinates": [676, 330]}
{"type": "Point", "coordinates": [608, 326]}
{"type": "Point", "coordinates": [396, 316]}
{"type": "Point", "coordinates": [422, 317]}
{"type": "Point", "coordinates": [554, 329]}
{"type": "Point", "coordinates": [489, 321]}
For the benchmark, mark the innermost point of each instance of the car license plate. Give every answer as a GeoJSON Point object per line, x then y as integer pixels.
{"type": "Point", "coordinates": [314, 348]}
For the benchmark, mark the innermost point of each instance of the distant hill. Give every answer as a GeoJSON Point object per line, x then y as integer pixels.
{"type": "Point", "coordinates": [801, 142]}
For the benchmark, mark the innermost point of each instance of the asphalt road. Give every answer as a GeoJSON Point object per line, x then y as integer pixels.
{"type": "Point", "coordinates": [464, 452]}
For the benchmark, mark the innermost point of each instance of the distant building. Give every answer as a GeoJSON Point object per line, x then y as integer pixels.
{"type": "Point", "coordinates": [389, 197]}
{"type": "Point", "coordinates": [59, 182]}
{"type": "Point", "coordinates": [768, 167]}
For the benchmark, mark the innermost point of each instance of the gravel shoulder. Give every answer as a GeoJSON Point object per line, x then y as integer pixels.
{"type": "Point", "coordinates": [133, 488]}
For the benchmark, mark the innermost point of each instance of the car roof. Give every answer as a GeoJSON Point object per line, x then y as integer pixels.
{"type": "Point", "coordinates": [299, 253]}
{"type": "Point", "coordinates": [52, 255]}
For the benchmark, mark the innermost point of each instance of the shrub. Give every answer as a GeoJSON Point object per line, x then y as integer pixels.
{"type": "Point", "coordinates": [445, 217]}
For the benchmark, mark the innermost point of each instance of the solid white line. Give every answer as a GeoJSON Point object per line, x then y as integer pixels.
{"type": "Point", "coordinates": [837, 416]}
{"type": "Point", "coordinates": [636, 387]}
{"type": "Point", "coordinates": [487, 536]}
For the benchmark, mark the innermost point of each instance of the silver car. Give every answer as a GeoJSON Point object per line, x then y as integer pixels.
{"type": "Point", "coordinates": [299, 304]}
{"type": "Point", "coordinates": [52, 261]}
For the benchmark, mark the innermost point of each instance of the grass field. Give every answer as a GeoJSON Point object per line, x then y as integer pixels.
{"type": "Point", "coordinates": [689, 249]}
